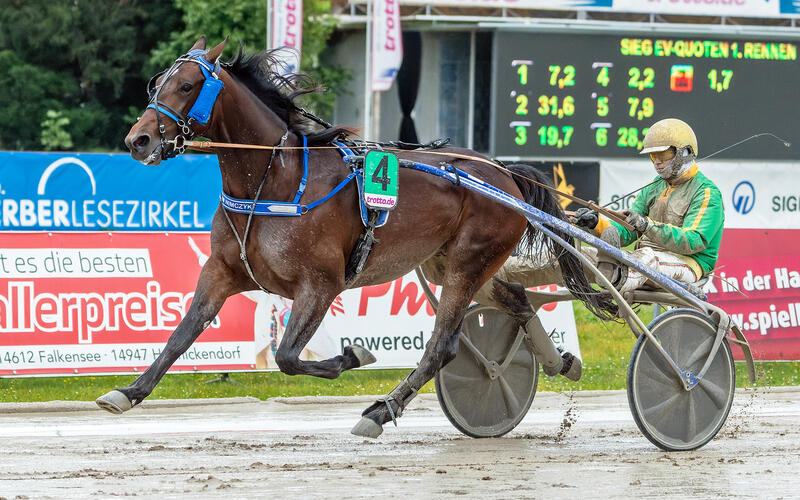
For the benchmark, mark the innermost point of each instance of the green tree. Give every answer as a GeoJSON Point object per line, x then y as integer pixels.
{"type": "Point", "coordinates": [80, 58]}
{"type": "Point", "coordinates": [54, 133]}
{"type": "Point", "coordinates": [89, 60]}
{"type": "Point", "coordinates": [245, 21]}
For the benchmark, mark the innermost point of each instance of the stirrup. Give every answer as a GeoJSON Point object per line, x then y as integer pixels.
{"type": "Point", "coordinates": [614, 272]}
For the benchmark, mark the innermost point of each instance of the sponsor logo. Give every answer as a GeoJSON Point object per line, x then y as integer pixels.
{"type": "Point", "coordinates": [681, 77]}
{"type": "Point", "coordinates": [620, 203]}
{"type": "Point", "coordinates": [23, 309]}
{"type": "Point", "coordinates": [744, 197]}
{"type": "Point", "coordinates": [562, 185]}
{"type": "Point", "coordinates": [75, 205]}
{"type": "Point", "coordinates": [789, 203]}
{"type": "Point", "coordinates": [64, 161]}
{"type": "Point", "coordinates": [381, 201]}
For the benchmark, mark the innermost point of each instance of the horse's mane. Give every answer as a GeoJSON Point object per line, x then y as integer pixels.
{"type": "Point", "coordinates": [260, 73]}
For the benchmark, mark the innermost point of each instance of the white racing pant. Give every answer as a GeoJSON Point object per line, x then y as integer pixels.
{"type": "Point", "coordinates": [666, 263]}
{"type": "Point", "coordinates": [544, 272]}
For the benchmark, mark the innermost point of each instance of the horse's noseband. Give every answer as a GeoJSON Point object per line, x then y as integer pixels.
{"type": "Point", "coordinates": [201, 109]}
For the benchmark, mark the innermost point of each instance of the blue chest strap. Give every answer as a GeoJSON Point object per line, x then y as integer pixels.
{"type": "Point", "coordinates": [277, 208]}
{"type": "Point", "coordinates": [282, 208]}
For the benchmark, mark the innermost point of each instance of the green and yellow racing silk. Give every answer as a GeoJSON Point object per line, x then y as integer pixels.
{"type": "Point", "coordinates": [686, 218]}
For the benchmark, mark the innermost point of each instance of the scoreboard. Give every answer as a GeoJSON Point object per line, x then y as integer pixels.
{"type": "Point", "coordinates": [595, 95]}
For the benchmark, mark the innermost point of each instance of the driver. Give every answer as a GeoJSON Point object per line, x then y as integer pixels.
{"type": "Point", "coordinates": [677, 220]}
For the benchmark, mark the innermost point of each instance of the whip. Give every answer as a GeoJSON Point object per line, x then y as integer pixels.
{"type": "Point", "coordinates": [784, 141]}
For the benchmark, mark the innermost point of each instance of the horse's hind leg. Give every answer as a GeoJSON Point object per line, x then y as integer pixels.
{"type": "Point", "coordinates": [511, 299]}
{"type": "Point", "coordinates": [308, 310]}
{"type": "Point", "coordinates": [212, 290]}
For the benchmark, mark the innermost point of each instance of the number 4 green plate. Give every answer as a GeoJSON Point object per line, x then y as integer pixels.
{"type": "Point", "coordinates": [380, 180]}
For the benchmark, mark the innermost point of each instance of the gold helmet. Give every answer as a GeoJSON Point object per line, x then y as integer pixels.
{"type": "Point", "coordinates": [667, 133]}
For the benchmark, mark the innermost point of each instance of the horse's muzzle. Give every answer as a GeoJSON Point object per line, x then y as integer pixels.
{"type": "Point", "coordinates": [143, 148]}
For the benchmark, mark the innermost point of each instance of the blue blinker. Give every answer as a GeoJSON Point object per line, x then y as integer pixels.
{"type": "Point", "coordinates": [201, 110]}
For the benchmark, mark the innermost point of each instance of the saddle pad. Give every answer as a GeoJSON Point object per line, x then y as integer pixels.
{"type": "Point", "coordinates": [383, 217]}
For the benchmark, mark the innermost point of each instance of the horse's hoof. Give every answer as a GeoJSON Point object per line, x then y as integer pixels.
{"type": "Point", "coordinates": [364, 356]}
{"type": "Point", "coordinates": [573, 368]}
{"type": "Point", "coordinates": [115, 401]}
{"type": "Point", "coordinates": [366, 427]}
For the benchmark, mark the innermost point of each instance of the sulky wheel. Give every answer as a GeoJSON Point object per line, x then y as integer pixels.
{"type": "Point", "coordinates": [489, 386]}
{"type": "Point", "coordinates": [669, 416]}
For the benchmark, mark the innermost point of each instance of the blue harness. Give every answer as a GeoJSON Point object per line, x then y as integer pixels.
{"type": "Point", "coordinates": [295, 208]}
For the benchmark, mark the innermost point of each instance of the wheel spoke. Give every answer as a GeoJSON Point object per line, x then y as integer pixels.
{"type": "Point", "coordinates": [655, 359]}
{"type": "Point", "coordinates": [666, 380]}
{"type": "Point", "coordinates": [663, 408]}
{"type": "Point", "coordinates": [512, 402]}
{"type": "Point", "coordinates": [512, 352]}
{"type": "Point", "coordinates": [718, 395]}
{"type": "Point", "coordinates": [691, 421]}
{"type": "Point", "coordinates": [670, 343]}
{"type": "Point", "coordinates": [463, 380]}
{"type": "Point", "coordinates": [522, 358]}
{"type": "Point", "coordinates": [700, 352]}
{"type": "Point", "coordinates": [475, 401]}
{"type": "Point", "coordinates": [475, 351]}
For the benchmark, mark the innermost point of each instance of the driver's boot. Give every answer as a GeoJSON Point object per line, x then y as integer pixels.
{"type": "Point", "coordinates": [554, 361]}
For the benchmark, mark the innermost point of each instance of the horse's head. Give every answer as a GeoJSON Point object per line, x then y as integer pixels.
{"type": "Point", "coordinates": [181, 100]}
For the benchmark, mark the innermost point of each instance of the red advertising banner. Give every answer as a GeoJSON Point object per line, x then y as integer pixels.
{"type": "Point", "coordinates": [107, 302]}
{"type": "Point", "coordinates": [758, 284]}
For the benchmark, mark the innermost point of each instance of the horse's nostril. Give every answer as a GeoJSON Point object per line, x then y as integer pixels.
{"type": "Point", "coordinates": [141, 141]}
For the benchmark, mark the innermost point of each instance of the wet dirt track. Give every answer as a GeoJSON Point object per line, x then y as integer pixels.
{"type": "Point", "coordinates": [580, 446]}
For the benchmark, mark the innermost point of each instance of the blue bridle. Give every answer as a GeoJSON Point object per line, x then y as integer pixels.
{"type": "Point", "coordinates": [201, 109]}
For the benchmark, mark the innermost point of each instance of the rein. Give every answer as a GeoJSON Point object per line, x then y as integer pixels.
{"type": "Point", "coordinates": [208, 146]}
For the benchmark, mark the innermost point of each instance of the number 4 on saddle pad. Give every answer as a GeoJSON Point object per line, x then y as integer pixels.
{"type": "Point", "coordinates": [380, 180]}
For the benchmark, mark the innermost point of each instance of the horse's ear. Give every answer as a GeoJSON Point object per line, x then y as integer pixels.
{"type": "Point", "coordinates": [200, 44]}
{"type": "Point", "coordinates": [213, 54]}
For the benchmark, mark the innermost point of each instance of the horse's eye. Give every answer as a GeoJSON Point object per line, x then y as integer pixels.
{"type": "Point", "coordinates": [186, 87]}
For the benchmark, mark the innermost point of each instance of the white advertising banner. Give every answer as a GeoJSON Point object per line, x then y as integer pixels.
{"type": "Point", "coordinates": [394, 321]}
{"type": "Point", "coordinates": [755, 195]}
{"type": "Point", "coordinates": [387, 44]}
{"type": "Point", "coordinates": [286, 30]}
{"type": "Point", "coordinates": [728, 8]}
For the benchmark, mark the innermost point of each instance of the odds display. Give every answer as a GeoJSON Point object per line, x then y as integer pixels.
{"type": "Point", "coordinates": [591, 95]}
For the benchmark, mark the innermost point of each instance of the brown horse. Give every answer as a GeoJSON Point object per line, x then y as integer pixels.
{"type": "Point", "coordinates": [465, 236]}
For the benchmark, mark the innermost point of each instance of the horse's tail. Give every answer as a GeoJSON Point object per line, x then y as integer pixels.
{"type": "Point", "coordinates": [534, 242]}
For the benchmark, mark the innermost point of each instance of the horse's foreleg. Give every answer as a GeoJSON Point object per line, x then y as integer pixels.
{"type": "Point", "coordinates": [308, 310]}
{"type": "Point", "coordinates": [210, 294]}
